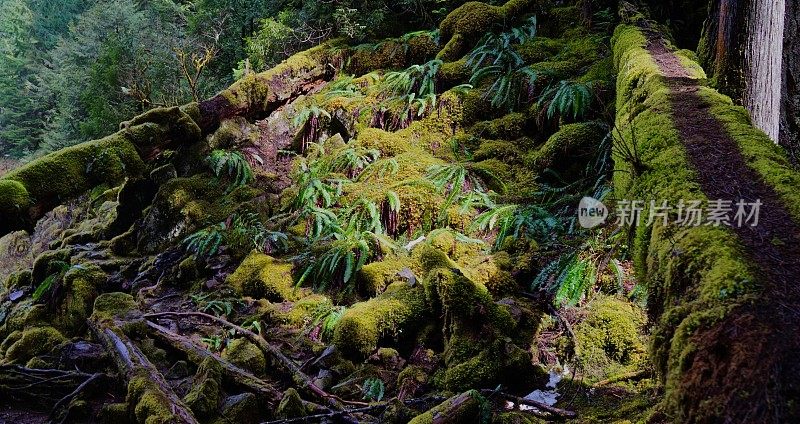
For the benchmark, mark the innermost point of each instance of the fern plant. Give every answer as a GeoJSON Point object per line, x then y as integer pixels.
{"type": "Point", "coordinates": [248, 231]}
{"type": "Point", "coordinates": [496, 59]}
{"type": "Point", "coordinates": [568, 99]}
{"type": "Point", "coordinates": [325, 318]}
{"type": "Point", "coordinates": [352, 160]}
{"type": "Point", "coordinates": [455, 179]}
{"type": "Point", "coordinates": [231, 165]}
{"type": "Point", "coordinates": [48, 289]}
{"type": "Point", "coordinates": [346, 253]}
{"type": "Point", "coordinates": [206, 242]}
{"type": "Point", "coordinates": [513, 220]}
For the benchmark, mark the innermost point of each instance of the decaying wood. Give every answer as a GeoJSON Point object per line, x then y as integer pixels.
{"type": "Point", "coordinates": [235, 375]}
{"type": "Point", "coordinates": [461, 408]}
{"type": "Point", "coordinates": [130, 362]}
{"type": "Point", "coordinates": [551, 410]}
{"type": "Point", "coordinates": [298, 376]}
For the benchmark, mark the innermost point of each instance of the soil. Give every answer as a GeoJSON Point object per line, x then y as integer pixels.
{"type": "Point", "coordinates": [749, 361]}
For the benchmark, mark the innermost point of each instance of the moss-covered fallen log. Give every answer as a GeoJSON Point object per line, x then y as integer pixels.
{"type": "Point", "coordinates": [711, 289]}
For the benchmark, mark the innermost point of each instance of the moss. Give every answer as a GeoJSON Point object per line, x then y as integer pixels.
{"type": "Point", "coordinates": [246, 355]}
{"type": "Point", "coordinates": [82, 284]}
{"type": "Point", "coordinates": [471, 19]}
{"type": "Point", "coordinates": [262, 276]}
{"type": "Point", "coordinates": [399, 308]}
{"type": "Point", "coordinates": [14, 200]}
{"type": "Point", "coordinates": [572, 145]}
{"type": "Point", "coordinates": [113, 413]}
{"type": "Point", "coordinates": [609, 340]}
{"type": "Point", "coordinates": [110, 306]}
{"type": "Point", "coordinates": [49, 263]}
{"type": "Point", "coordinates": [539, 49]}
{"type": "Point", "coordinates": [374, 277]}
{"type": "Point", "coordinates": [151, 406]}
{"type": "Point", "coordinates": [454, 73]}
{"type": "Point", "coordinates": [510, 127]}
{"type": "Point", "coordinates": [204, 396]}
{"type": "Point", "coordinates": [33, 342]}
{"type": "Point", "coordinates": [469, 411]}
{"type": "Point", "coordinates": [695, 276]}
{"type": "Point", "coordinates": [291, 405]}
{"type": "Point", "coordinates": [80, 167]}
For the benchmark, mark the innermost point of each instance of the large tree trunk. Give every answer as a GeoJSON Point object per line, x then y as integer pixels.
{"type": "Point", "coordinates": [790, 107]}
{"type": "Point", "coordinates": [742, 47]}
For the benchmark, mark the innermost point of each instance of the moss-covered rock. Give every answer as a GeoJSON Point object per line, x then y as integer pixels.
{"type": "Point", "coordinates": [204, 396]}
{"type": "Point", "coordinates": [150, 406]}
{"type": "Point", "coordinates": [568, 150]}
{"type": "Point", "coordinates": [374, 277]}
{"type": "Point", "coordinates": [264, 277]}
{"type": "Point", "coordinates": [82, 283]}
{"type": "Point", "coordinates": [33, 342]}
{"type": "Point", "coordinates": [110, 306]}
{"type": "Point", "coordinates": [363, 325]}
{"type": "Point", "coordinates": [246, 355]}
{"type": "Point", "coordinates": [291, 405]}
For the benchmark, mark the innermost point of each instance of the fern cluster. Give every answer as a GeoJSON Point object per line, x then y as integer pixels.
{"type": "Point", "coordinates": [232, 166]}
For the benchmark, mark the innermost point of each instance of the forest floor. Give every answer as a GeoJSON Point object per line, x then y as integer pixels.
{"type": "Point", "coordinates": [759, 340]}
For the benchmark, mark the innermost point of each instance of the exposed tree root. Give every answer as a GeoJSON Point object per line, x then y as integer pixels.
{"type": "Point", "coordinates": [132, 363]}
{"type": "Point", "coordinates": [65, 401]}
{"type": "Point", "coordinates": [234, 374]}
{"type": "Point", "coordinates": [298, 376]}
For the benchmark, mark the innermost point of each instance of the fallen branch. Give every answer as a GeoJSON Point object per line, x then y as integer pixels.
{"type": "Point", "coordinates": [42, 386]}
{"type": "Point", "coordinates": [133, 364]}
{"type": "Point", "coordinates": [558, 412]}
{"type": "Point", "coordinates": [299, 377]}
{"type": "Point", "coordinates": [235, 375]}
{"type": "Point", "coordinates": [54, 412]}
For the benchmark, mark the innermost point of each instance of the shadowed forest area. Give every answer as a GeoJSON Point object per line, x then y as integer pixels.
{"type": "Point", "coordinates": [421, 211]}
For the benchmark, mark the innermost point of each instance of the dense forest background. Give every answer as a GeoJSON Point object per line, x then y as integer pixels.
{"type": "Point", "coordinates": [71, 70]}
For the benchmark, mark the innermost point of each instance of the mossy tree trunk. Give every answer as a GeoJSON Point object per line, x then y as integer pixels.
{"type": "Point", "coordinates": [742, 47]}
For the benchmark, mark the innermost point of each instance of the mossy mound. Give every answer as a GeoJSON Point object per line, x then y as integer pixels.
{"type": "Point", "coordinates": [82, 284]}
{"type": "Point", "coordinates": [291, 405]}
{"type": "Point", "coordinates": [246, 355]}
{"type": "Point", "coordinates": [365, 324]}
{"type": "Point", "coordinates": [609, 340]}
{"type": "Point", "coordinates": [568, 150]}
{"type": "Point", "coordinates": [263, 277]}
{"type": "Point", "coordinates": [150, 406]}
{"type": "Point", "coordinates": [373, 278]}
{"type": "Point", "coordinates": [32, 342]}
{"type": "Point", "coordinates": [111, 306]}
{"type": "Point", "coordinates": [79, 168]}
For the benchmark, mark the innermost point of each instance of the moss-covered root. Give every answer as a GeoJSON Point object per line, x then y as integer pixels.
{"type": "Point", "coordinates": [149, 395]}
{"type": "Point", "coordinates": [398, 310]}
{"type": "Point", "coordinates": [467, 407]}
{"type": "Point", "coordinates": [465, 25]}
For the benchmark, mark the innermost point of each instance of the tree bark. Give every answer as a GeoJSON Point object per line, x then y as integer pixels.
{"type": "Point", "coordinates": [742, 49]}
{"type": "Point", "coordinates": [790, 100]}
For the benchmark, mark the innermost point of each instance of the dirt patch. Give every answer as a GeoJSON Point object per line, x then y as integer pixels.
{"type": "Point", "coordinates": [745, 368]}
